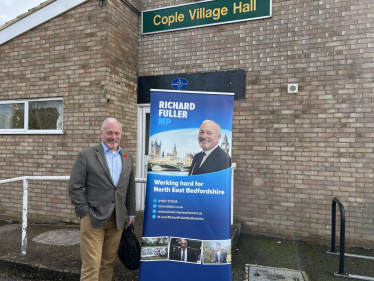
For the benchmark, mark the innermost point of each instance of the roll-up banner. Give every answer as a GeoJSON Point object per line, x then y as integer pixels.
{"type": "Point", "coordinates": [187, 219]}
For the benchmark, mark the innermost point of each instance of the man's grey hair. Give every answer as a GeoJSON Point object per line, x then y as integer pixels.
{"type": "Point", "coordinates": [184, 239]}
{"type": "Point", "coordinates": [110, 119]}
{"type": "Point", "coordinates": [212, 122]}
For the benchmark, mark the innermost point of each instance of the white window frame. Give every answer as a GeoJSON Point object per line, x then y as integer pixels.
{"type": "Point", "coordinates": [25, 129]}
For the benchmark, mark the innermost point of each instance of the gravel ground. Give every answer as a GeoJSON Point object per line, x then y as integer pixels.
{"type": "Point", "coordinates": [51, 262]}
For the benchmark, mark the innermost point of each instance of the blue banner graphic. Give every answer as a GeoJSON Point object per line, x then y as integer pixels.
{"type": "Point", "coordinates": [187, 232]}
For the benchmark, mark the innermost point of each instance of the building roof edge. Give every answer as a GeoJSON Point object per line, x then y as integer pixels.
{"type": "Point", "coordinates": [29, 12]}
{"type": "Point", "coordinates": [35, 17]}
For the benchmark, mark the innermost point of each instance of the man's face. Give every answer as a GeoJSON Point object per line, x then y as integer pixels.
{"type": "Point", "coordinates": [184, 244]}
{"type": "Point", "coordinates": [111, 135]}
{"type": "Point", "coordinates": [218, 246]}
{"type": "Point", "coordinates": [209, 136]}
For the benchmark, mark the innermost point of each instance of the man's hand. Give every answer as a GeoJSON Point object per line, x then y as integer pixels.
{"type": "Point", "coordinates": [130, 221]}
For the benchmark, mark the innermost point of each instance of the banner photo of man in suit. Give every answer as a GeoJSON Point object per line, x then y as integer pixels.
{"type": "Point", "coordinates": [212, 158]}
{"type": "Point", "coordinates": [188, 184]}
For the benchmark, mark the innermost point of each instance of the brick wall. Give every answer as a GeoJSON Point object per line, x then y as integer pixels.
{"type": "Point", "coordinates": [294, 153]}
{"type": "Point", "coordinates": [122, 49]}
{"type": "Point", "coordinates": [72, 56]}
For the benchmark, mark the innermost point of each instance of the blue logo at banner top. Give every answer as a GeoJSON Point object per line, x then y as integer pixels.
{"type": "Point", "coordinates": [179, 84]}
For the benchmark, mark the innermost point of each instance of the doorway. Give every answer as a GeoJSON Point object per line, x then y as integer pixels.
{"type": "Point", "coordinates": [142, 153]}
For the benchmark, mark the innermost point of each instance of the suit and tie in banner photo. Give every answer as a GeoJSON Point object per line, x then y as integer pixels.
{"type": "Point", "coordinates": [187, 216]}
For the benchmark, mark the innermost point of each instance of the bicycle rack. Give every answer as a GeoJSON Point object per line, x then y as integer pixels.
{"type": "Point", "coordinates": [342, 253]}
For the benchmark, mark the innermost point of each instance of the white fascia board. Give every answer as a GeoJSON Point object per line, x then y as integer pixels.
{"type": "Point", "coordinates": [40, 16]}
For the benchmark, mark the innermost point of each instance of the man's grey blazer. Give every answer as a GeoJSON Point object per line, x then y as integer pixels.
{"type": "Point", "coordinates": [92, 191]}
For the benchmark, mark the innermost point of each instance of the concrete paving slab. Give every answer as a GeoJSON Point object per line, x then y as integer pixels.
{"type": "Point", "coordinates": [10, 227]}
{"type": "Point", "coordinates": [60, 237]}
{"type": "Point", "coordinates": [262, 273]}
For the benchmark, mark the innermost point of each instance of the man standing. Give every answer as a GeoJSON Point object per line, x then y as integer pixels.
{"type": "Point", "coordinates": [220, 254]}
{"type": "Point", "coordinates": [212, 158]}
{"type": "Point", "coordinates": [101, 185]}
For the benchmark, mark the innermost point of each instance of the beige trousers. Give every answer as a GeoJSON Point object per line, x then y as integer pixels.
{"type": "Point", "coordinates": [98, 249]}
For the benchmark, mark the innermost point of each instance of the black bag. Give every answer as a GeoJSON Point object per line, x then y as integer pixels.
{"type": "Point", "coordinates": [129, 248]}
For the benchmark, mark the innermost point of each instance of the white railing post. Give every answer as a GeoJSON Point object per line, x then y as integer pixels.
{"type": "Point", "coordinates": [140, 193]}
{"type": "Point", "coordinates": [24, 215]}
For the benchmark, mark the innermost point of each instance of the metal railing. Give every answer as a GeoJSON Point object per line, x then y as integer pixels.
{"type": "Point", "coordinates": [342, 253]}
{"type": "Point", "coordinates": [25, 199]}
{"type": "Point", "coordinates": [26, 179]}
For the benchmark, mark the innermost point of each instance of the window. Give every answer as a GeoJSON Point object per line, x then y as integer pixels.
{"type": "Point", "coordinates": [39, 116]}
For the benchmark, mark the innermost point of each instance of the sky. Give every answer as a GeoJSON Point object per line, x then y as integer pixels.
{"type": "Point", "coordinates": [10, 9]}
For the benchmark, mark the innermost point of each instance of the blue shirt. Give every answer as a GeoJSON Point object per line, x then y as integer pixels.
{"type": "Point", "coordinates": [113, 159]}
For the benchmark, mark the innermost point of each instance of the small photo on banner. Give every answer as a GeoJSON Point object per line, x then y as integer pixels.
{"type": "Point", "coordinates": [185, 250]}
{"type": "Point", "coordinates": [217, 252]}
{"type": "Point", "coordinates": [155, 248]}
